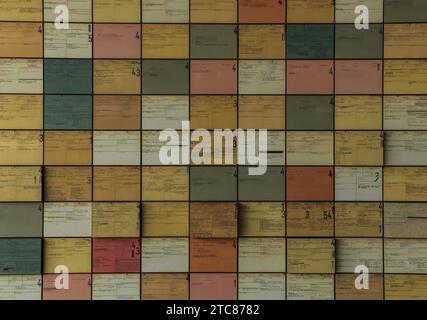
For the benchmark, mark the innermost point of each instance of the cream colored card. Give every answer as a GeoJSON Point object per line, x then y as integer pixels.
{"type": "Point", "coordinates": [165, 184]}
{"type": "Point", "coordinates": [67, 219]}
{"type": "Point", "coordinates": [262, 255]}
{"type": "Point", "coordinates": [405, 112]}
{"type": "Point", "coordinates": [310, 287]}
{"type": "Point", "coordinates": [262, 219]}
{"type": "Point", "coordinates": [164, 112]}
{"type": "Point", "coordinates": [311, 255]}
{"type": "Point", "coordinates": [262, 286]}
{"type": "Point", "coordinates": [262, 77]}
{"type": "Point", "coordinates": [116, 148]}
{"type": "Point", "coordinates": [115, 286]}
{"type": "Point", "coordinates": [358, 184]}
{"type": "Point", "coordinates": [344, 10]}
{"type": "Point", "coordinates": [20, 287]}
{"type": "Point", "coordinates": [262, 112]}
{"type": "Point", "coordinates": [164, 254]}
{"type": "Point", "coordinates": [72, 43]}
{"type": "Point", "coordinates": [310, 148]}
{"type": "Point", "coordinates": [405, 148]}
{"type": "Point", "coordinates": [358, 219]}
{"type": "Point", "coordinates": [354, 252]}
{"type": "Point", "coordinates": [165, 11]}
{"type": "Point", "coordinates": [405, 220]}
{"type": "Point", "coordinates": [405, 256]}
{"type": "Point", "coordinates": [115, 219]}
{"type": "Point", "coordinates": [21, 76]}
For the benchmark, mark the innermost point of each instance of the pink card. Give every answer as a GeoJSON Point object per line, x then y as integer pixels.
{"type": "Point", "coordinates": [117, 41]}
{"type": "Point", "coordinates": [310, 77]}
{"type": "Point", "coordinates": [79, 287]}
{"type": "Point", "coordinates": [358, 76]}
{"type": "Point", "coordinates": [213, 286]}
{"type": "Point", "coordinates": [116, 255]}
{"type": "Point", "coordinates": [213, 77]}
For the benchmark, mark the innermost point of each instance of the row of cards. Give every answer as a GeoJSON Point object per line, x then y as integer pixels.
{"type": "Point", "coordinates": [148, 112]}
{"type": "Point", "coordinates": [213, 41]}
{"type": "Point", "coordinates": [215, 11]}
{"type": "Point", "coordinates": [204, 255]}
{"type": "Point", "coordinates": [214, 286]}
{"type": "Point", "coordinates": [85, 76]}
{"type": "Point", "coordinates": [222, 183]}
{"type": "Point", "coordinates": [213, 220]}
{"type": "Point", "coordinates": [293, 148]}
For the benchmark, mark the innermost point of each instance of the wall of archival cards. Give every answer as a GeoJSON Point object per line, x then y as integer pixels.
{"type": "Point", "coordinates": [81, 184]}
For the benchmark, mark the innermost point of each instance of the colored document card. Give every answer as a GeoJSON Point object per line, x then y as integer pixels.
{"type": "Point", "coordinates": [213, 150]}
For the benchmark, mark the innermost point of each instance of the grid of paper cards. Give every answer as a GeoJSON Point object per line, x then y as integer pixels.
{"type": "Point", "coordinates": [82, 187]}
